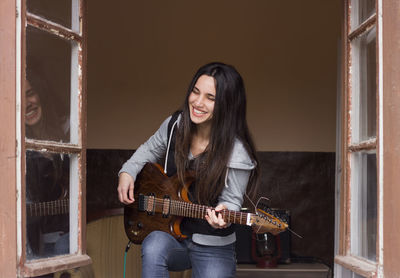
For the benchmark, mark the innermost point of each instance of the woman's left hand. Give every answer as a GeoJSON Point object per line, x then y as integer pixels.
{"type": "Point", "coordinates": [215, 219]}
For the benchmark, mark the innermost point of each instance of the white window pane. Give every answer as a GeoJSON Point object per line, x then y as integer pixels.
{"type": "Point", "coordinates": [341, 272]}
{"type": "Point", "coordinates": [75, 198]}
{"type": "Point", "coordinates": [59, 11]}
{"type": "Point", "coordinates": [47, 204]}
{"type": "Point", "coordinates": [361, 10]}
{"type": "Point", "coordinates": [48, 86]}
{"type": "Point", "coordinates": [364, 205]}
{"type": "Point", "coordinates": [364, 87]}
{"type": "Point", "coordinates": [76, 95]}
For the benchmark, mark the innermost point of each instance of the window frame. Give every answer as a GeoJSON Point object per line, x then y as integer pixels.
{"type": "Point", "coordinates": [76, 147]}
{"type": "Point", "coordinates": [343, 256]}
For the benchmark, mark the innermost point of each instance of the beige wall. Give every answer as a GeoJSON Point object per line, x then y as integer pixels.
{"type": "Point", "coordinates": [142, 55]}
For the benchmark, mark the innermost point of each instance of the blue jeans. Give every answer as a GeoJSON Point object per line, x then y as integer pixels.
{"type": "Point", "coordinates": [162, 253]}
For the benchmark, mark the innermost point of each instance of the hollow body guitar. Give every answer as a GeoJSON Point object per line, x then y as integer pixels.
{"type": "Point", "coordinates": [161, 202]}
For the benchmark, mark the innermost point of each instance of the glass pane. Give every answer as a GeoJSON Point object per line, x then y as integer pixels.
{"type": "Point", "coordinates": [357, 276]}
{"type": "Point", "coordinates": [47, 204]}
{"type": "Point", "coordinates": [342, 272]}
{"type": "Point", "coordinates": [364, 205]}
{"type": "Point", "coordinates": [63, 12]}
{"type": "Point", "coordinates": [364, 87]}
{"type": "Point", "coordinates": [48, 85]}
{"type": "Point", "coordinates": [361, 10]}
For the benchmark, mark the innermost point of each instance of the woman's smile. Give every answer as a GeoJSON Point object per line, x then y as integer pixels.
{"type": "Point", "coordinates": [202, 100]}
{"type": "Point", "coordinates": [33, 110]}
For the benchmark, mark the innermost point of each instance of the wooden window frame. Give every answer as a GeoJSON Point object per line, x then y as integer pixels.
{"type": "Point", "coordinates": [8, 138]}
{"type": "Point", "coordinates": [54, 264]}
{"type": "Point", "coordinates": [344, 258]}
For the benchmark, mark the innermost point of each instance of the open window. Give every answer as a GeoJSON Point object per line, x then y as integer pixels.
{"type": "Point", "coordinates": [358, 253]}
{"type": "Point", "coordinates": [53, 149]}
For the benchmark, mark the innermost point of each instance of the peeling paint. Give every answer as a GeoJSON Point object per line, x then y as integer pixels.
{"type": "Point", "coordinates": [53, 28]}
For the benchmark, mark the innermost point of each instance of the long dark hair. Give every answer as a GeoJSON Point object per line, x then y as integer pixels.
{"type": "Point", "coordinates": [228, 123]}
{"type": "Point", "coordinates": [50, 126]}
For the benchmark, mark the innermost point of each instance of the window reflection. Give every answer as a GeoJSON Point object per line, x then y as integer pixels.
{"type": "Point", "coordinates": [57, 11]}
{"type": "Point", "coordinates": [366, 9]}
{"type": "Point", "coordinates": [364, 87]}
{"type": "Point", "coordinates": [47, 204]}
{"type": "Point", "coordinates": [47, 99]}
{"type": "Point", "coordinates": [364, 206]}
{"type": "Point", "coordinates": [361, 10]}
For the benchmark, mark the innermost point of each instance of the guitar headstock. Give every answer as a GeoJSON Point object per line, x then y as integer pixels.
{"type": "Point", "coordinates": [265, 221]}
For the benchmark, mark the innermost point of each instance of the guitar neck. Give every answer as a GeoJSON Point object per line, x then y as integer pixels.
{"type": "Point", "coordinates": [48, 208]}
{"type": "Point", "coordinates": [181, 208]}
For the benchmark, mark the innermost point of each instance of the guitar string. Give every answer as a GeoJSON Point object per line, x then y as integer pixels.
{"type": "Point", "coordinates": [182, 208]}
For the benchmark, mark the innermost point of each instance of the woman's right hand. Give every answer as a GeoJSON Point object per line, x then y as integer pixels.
{"type": "Point", "coordinates": [125, 188]}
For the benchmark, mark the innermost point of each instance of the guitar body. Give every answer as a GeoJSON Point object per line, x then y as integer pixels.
{"type": "Point", "coordinates": [152, 181]}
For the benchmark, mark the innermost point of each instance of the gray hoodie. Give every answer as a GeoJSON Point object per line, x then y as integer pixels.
{"type": "Point", "coordinates": [237, 176]}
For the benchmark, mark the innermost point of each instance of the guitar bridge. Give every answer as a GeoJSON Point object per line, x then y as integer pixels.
{"type": "Point", "coordinates": [147, 203]}
{"type": "Point", "coordinates": [141, 202]}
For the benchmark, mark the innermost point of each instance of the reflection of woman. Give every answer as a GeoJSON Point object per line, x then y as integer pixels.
{"type": "Point", "coordinates": [212, 138]}
{"type": "Point", "coordinates": [47, 176]}
{"type": "Point", "coordinates": [43, 119]}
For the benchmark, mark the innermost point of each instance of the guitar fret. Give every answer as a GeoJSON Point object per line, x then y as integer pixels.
{"type": "Point", "coordinates": [185, 208]}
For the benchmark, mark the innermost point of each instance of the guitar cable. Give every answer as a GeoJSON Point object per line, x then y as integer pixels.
{"type": "Point", "coordinates": [126, 252]}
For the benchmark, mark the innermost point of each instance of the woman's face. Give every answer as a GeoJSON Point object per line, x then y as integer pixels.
{"type": "Point", "coordinates": [202, 99]}
{"type": "Point", "coordinates": [33, 108]}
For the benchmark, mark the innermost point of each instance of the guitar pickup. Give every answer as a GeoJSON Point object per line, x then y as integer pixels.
{"type": "Point", "coordinates": [150, 204]}
{"type": "Point", "coordinates": [166, 206]}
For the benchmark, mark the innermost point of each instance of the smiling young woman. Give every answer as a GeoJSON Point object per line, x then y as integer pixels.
{"type": "Point", "coordinates": [210, 137]}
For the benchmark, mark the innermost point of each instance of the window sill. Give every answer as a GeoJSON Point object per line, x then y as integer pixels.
{"type": "Point", "coordinates": [45, 266]}
{"type": "Point", "coordinates": [357, 265]}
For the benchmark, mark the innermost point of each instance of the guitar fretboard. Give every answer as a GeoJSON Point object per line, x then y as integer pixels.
{"type": "Point", "coordinates": [48, 208]}
{"type": "Point", "coordinates": [180, 208]}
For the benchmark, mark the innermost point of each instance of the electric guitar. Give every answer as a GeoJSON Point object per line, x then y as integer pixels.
{"type": "Point", "coordinates": [161, 202]}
